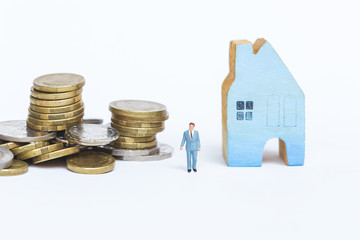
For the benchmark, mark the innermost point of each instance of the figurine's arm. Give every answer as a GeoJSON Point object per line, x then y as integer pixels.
{"type": "Point", "coordinates": [183, 142]}
{"type": "Point", "coordinates": [199, 141]}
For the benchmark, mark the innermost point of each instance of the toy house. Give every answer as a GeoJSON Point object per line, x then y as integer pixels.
{"type": "Point", "coordinates": [260, 101]}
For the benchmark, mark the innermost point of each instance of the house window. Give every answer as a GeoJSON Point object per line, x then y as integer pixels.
{"type": "Point", "coordinates": [248, 116]}
{"type": "Point", "coordinates": [249, 105]}
{"type": "Point", "coordinates": [241, 115]}
{"type": "Point", "coordinates": [240, 105]}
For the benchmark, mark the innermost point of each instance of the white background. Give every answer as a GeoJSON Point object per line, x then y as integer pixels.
{"type": "Point", "coordinates": [176, 53]}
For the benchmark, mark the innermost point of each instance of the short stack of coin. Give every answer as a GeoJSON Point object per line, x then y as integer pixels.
{"type": "Point", "coordinates": [138, 122]}
{"type": "Point", "coordinates": [56, 102]}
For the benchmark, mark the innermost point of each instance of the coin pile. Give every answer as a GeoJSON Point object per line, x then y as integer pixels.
{"type": "Point", "coordinates": [138, 122]}
{"type": "Point", "coordinates": [56, 102]}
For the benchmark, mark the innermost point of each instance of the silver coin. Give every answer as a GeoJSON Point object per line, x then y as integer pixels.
{"type": "Point", "coordinates": [165, 152]}
{"type": "Point", "coordinates": [6, 158]}
{"type": "Point", "coordinates": [91, 134]}
{"type": "Point", "coordinates": [120, 152]}
{"type": "Point", "coordinates": [92, 121]}
{"type": "Point", "coordinates": [137, 106]}
{"type": "Point", "coordinates": [17, 131]}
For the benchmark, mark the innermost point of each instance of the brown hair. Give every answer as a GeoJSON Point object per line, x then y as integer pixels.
{"type": "Point", "coordinates": [192, 124]}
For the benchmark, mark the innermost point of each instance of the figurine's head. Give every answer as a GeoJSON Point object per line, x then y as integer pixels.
{"type": "Point", "coordinates": [191, 126]}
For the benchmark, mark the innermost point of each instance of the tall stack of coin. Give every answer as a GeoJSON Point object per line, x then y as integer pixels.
{"type": "Point", "coordinates": [138, 122]}
{"type": "Point", "coordinates": [56, 102]}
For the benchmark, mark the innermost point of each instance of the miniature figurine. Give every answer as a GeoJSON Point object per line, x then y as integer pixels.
{"type": "Point", "coordinates": [260, 101]}
{"type": "Point", "coordinates": [192, 139]}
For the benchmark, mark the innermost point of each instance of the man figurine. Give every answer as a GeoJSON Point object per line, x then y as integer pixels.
{"type": "Point", "coordinates": [192, 139]}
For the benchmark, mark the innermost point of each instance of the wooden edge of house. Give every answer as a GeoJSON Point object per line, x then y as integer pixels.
{"type": "Point", "coordinates": [229, 81]}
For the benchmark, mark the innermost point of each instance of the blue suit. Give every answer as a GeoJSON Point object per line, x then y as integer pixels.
{"type": "Point", "coordinates": [192, 146]}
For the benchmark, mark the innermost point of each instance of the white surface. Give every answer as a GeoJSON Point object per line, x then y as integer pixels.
{"type": "Point", "coordinates": [161, 51]}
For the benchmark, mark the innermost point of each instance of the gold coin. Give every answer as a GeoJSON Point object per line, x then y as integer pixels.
{"type": "Point", "coordinates": [134, 145]}
{"type": "Point", "coordinates": [28, 147]}
{"type": "Point", "coordinates": [135, 139]}
{"type": "Point", "coordinates": [137, 108]}
{"type": "Point", "coordinates": [59, 82]}
{"type": "Point", "coordinates": [137, 132]}
{"type": "Point", "coordinates": [55, 122]}
{"type": "Point", "coordinates": [17, 168]}
{"type": "Point", "coordinates": [56, 116]}
{"type": "Point", "coordinates": [141, 119]}
{"type": "Point", "coordinates": [91, 162]}
{"type": "Point", "coordinates": [136, 124]}
{"type": "Point", "coordinates": [55, 110]}
{"type": "Point", "coordinates": [10, 145]}
{"type": "Point", "coordinates": [50, 128]}
{"type": "Point", "coordinates": [56, 154]}
{"type": "Point", "coordinates": [39, 151]}
{"type": "Point", "coordinates": [55, 103]}
{"type": "Point", "coordinates": [54, 96]}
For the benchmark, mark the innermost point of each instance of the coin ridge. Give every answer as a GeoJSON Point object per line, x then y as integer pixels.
{"type": "Point", "coordinates": [39, 151]}
{"type": "Point", "coordinates": [54, 96]}
{"type": "Point", "coordinates": [56, 154]}
{"type": "Point", "coordinates": [55, 110]}
{"type": "Point", "coordinates": [56, 116]}
{"type": "Point", "coordinates": [55, 103]}
{"type": "Point", "coordinates": [28, 147]}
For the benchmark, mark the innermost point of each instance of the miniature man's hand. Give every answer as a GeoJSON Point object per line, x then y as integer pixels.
{"type": "Point", "coordinates": [181, 148]}
{"type": "Point", "coordinates": [199, 149]}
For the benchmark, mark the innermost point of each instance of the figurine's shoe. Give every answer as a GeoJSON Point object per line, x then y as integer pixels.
{"type": "Point", "coordinates": [189, 170]}
{"type": "Point", "coordinates": [195, 170]}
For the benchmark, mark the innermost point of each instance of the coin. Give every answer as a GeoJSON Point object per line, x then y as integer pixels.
{"type": "Point", "coordinates": [92, 121]}
{"type": "Point", "coordinates": [59, 82]}
{"type": "Point", "coordinates": [91, 134]}
{"type": "Point", "coordinates": [141, 119]}
{"type": "Point", "coordinates": [6, 157]}
{"type": "Point", "coordinates": [137, 132]}
{"type": "Point", "coordinates": [137, 108]}
{"type": "Point", "coordinates": [10, 145]}
{"type": "Point", "coordinates": [91, 162]}
{"type": "Point", "coordinates": [135, 140]}
{"type": "Point", "coordinates": [49, 128]}
{"type": "Point", "coordinates": [128, 152]}
{"type": "Point", "coordinates": [136, 124]}
{"type": "Point", "coordinates": [55, 122]}
{"type": "Point", "coordinates": [56, 154]}
{"type": "Point", "coordinates": [165, 152]}
{"type": "Point", "coordinates": [134, 145]}
{"type": "Point", "coordinates": [17, 131]}
{"type": "Point", "coordinates": [28, 147]}
{"type": "Point", "coordinates": [54, 96]}
{"type": "Point", "coordinates": [56, 116]}
{"type": "Point", "coordinates": [17, 168]}
{"type": "Point", "coordinates": [55, 103]}
{"type": "Point", "coordinates": [39, 151]}
{"type": "Point", "coordinates": [54, 110]}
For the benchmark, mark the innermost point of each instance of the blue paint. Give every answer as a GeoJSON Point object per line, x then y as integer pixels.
{"type": "Point", "coordinates": [275, 108]}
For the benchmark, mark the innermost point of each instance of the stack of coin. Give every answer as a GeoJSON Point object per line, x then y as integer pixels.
{"type": "Point", "coordinates": [55, 102]}
{"type": "Point", "coordinates": [138, 122]}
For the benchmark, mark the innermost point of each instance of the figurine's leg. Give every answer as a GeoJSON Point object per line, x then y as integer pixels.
{"type": "Point", "coordinates": [188, 155]}
{"type": "Point", "coordinates": [293, 151]}
{"type": "Point", "coordinates": [245, 154]}
{"type": "Point", "coordinates": [194, 153]}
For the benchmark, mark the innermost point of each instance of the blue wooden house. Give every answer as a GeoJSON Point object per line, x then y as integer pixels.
{"type": "Point", "coordinates": [260, 101]}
